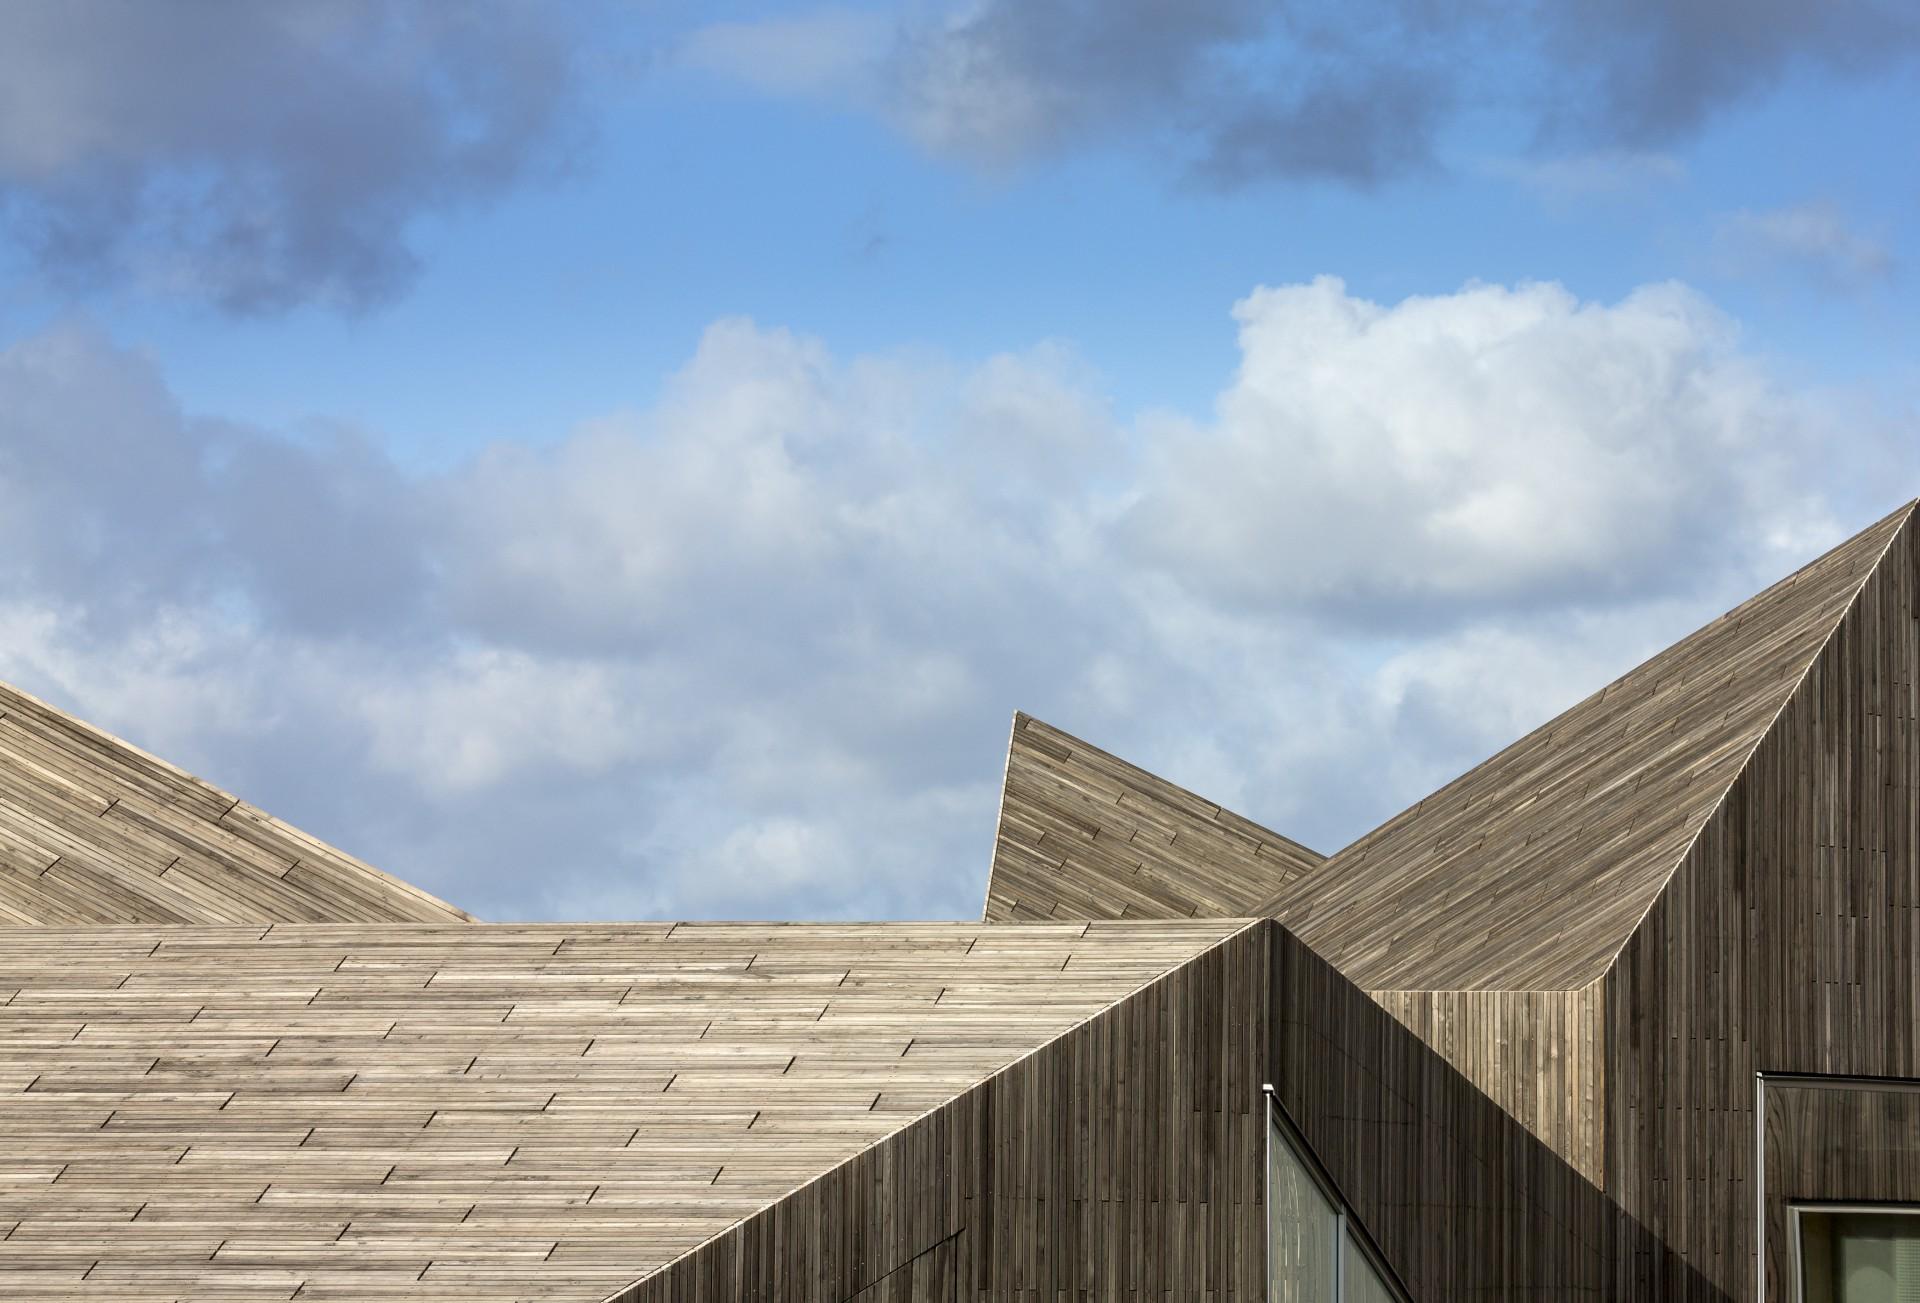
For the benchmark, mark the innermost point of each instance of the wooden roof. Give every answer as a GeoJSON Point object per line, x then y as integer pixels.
{"type": "Point", "coordinates": [1532, 870]}
{"type": "Point", "coordinates": [95, 830]}
{"type": "Point", "coordinates": [484, 1112]}
{"type": "Point", "coordinates": [1083, 834]}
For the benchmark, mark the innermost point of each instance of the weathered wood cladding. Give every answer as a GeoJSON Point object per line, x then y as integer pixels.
{"type": "Point", "coordinates": [1785, 943]}
{"type": "Point", "coordinates": [1531, 871]}
{"type": "Point", "coordinates": [933, 1277]}
{"type": "Point", "coordinates": [500, 1112]}
{"type": "Point", "coordinates": [1083, 834]}
{"type": "Point", "coordinates": [95, 830]}
{"type": "Point", "coordinates": [1464, 1201]}
{"type": "Point", "coordinates": [1536, 1054]}
{"type": "Point", "coordinates": [1834, 1142]}
{"type": "Point", "coordinates": [1122, 1160]}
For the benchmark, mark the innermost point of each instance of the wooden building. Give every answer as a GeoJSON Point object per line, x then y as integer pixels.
{"type": "Point", "coordinates": [1629, 1011]}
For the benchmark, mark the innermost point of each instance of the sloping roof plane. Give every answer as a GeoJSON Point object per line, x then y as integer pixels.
{"type": "Point", "coordinates": [484, 1112]}
{"type": "Point", "coordinates": [1083, 834]}
{"type": "Point", "coordinates": [1531, 871]}
{"type": "Point", "coordinates": [95, 830]}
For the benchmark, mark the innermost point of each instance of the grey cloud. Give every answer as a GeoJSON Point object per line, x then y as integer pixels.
{"type": "Point", "coordinates": [1003, 80]}
{"type": "Point", "coordinates": [94, 452]}
{"type": "Point", "coordinates": [261, 156]}
{"type": "Point", "coordinates": [1360, 133]}
{"type": "Point", "coordinates": [109, 490]}
{"type": "Point", "coordinates": [1641, 72]}
{"type": "Point", "coordinates": [325, 534]}
{"type": "Point", "coordinates": [1240, 91]}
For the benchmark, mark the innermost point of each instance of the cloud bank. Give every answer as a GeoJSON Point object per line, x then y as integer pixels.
{"type": "Point", "coordinates": [753, 650]}
{"type": "Point", "coordinates": [1238, 91]}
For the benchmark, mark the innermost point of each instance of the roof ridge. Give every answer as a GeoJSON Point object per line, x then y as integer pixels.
{"type": "Point", "coordinates": [1521, 872]}
{"type": "Point", "coordinates": [1853, 601]}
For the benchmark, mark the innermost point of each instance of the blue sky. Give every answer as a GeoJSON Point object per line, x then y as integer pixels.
{"type": "Point", "coordinates": [631, 460]}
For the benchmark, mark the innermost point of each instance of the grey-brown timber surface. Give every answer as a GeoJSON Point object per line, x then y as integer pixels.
{"type": "Point", "coordinates": [95, 830]}
{"type": "Point", "coordinates": [1531, 871]}
{"type": "Point", "coordinates": [489, 1112]}
{"type": "Point", "coordinates": [1084, 834]}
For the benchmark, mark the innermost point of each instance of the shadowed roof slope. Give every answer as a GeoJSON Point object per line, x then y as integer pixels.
{"type": "Point", "coordinates": [1084, 834]}
{"type": "Point", "coordinates": [95, 830]}
{"type": "Point", "coordinates": [1531, 871]}
{"type": "Point", "coordinates": [489, 1112]}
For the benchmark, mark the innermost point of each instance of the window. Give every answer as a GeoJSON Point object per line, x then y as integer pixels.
{"type": "Point", "coordinates": [1316, 1253]}
{"type": "Point", "coordinates": [1303, 1228]}
{"type": "Point", "coordinates": [1859, 1255]}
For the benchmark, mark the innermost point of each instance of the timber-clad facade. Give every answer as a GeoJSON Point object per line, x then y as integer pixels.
{"type": "Point", "coordinates": [1631, 1011]}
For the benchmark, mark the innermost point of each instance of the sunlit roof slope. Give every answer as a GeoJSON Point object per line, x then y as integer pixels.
{"type": "Point", "coordinates": [484, 1112]}
{"type": "Point", "coordinates": [1532, 870]}
{"type": "Point", "coordinates": [1083, 834]}
{"type": "Point", "coordinates": [95, 830]}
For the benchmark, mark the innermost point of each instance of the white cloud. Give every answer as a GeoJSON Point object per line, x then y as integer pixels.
{"type": "Point", "coordinates": [753, 649]}
{"type": "Point", "coordinates": [1487, 449]}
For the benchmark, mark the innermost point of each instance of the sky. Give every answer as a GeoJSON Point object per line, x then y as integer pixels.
{"type": "Point", "coordinates": [631, 460]}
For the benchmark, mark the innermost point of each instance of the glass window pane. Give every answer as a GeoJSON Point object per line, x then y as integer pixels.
{"type": "Point", "coordinates": [1860, 1257]}
{"type": "Point", "coordinates": [1303, 1230]}
{"type": "Point", "coordinates": [1363, 1283]}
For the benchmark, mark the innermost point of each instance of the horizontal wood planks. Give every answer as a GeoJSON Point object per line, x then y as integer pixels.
{"type": "Point", "coordinates": [484, 1112]}
{"type": "Point", "coordinates": [95, 830]}
{"type": "Point", "coordinates": [1084, 834]}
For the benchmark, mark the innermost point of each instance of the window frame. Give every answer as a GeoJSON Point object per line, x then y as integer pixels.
{"type": "Point", "coordinates": [1827, 1207]}
{"type": "Point", "coordinates": [1851, 1083]}
{"type": "Point", "coordinates": [1347, 1227]}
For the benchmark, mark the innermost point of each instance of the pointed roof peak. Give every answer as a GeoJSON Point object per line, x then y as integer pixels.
{"type": "Point", "coordinates": [1083, 834]}
{"type": "Point", "coordinates": [95, 830]}
{"type": "Point", "coordinates": [1530, 871]}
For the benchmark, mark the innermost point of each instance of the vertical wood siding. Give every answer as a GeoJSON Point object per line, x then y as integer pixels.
{"type": "Point", "coordinates": [1120, 1161]}
{"type": "Point", "coordinates": [1464, 1201]}
{"type": "Point", "coordinates": [1786, 943]}
{"type": "Point", "coordinates": [1535, 1053]}
{"type": "Point", "coordinates": [1834, 1143]}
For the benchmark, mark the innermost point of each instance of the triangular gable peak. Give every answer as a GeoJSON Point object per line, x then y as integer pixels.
{"type": "Point", "coordinates": [95, 830]}
{"type": "Point", "coordinates": [1531, 871]}
{"type": "Point", "coordinates": [1085, 835]}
